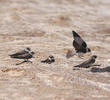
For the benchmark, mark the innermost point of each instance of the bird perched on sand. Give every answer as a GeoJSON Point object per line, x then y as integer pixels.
{"type": "Point", "coordinates": [49, 60]}
{"type": "Point", "coordinates": [24, 54]}
{"type": "Point", "coordinates": [79, 44]}
{"type": "Point", "coordinates": [87, 63]}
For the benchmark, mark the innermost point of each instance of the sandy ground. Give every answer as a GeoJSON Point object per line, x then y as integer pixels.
{"type": "Point", "coordinates": [45, 26]}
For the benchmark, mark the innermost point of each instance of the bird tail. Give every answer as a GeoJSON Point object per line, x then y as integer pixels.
{"type": "Point", "coordinates": [13, 56]}
{"type": "Point", "coordinates": [70, 54]}
{"type": "Point", "coordinates": [10, 56]}
{"type": "Point", "coordinates": [77, 66]}
{"type": "Point", "coordinates": [75, 34]}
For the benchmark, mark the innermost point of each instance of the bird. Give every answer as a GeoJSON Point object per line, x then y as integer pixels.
{"type": "Point", "coordinates": [49, 60]}
{"type": "Point", "coordinates": [24, 54]}
{"type": "Point", "coordinates": [26, 50]}
{"type": "Point", "coordinates": [87, 63]}
{"type": "Point", "coordinates": [79, 44]}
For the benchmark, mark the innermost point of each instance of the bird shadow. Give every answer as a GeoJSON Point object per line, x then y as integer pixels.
{"type": "Point", "coordinates": [100, 70]}
{"type": "Point", "coordinates": [23, 62]}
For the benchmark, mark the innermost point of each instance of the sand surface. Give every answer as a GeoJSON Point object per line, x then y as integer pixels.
{"type": "Point", "coordinates": [45, 26]}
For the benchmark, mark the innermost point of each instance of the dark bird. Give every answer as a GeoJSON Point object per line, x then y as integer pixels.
{"type": "Point", "coordinates": [79, 44]}
{"type": "Point", "coordinates": [87, 63]}
{"type": "Point", "coordinates": [24, 54]}
{"type": "Point", "coordinates": [27, 50]}
{"type": "Point", "coordinates": [49, 60]}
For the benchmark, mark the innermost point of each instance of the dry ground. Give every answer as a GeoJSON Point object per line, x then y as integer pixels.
{"type": "Point", "coordinates": [45, 26]}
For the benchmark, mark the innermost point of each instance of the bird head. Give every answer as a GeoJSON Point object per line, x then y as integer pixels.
{"type": "Point", "coordinates": [88, 49]}
{"type": "Point", "coordinates": [28, 49]}
{"type": "Point", "coordinates": [94, 56]}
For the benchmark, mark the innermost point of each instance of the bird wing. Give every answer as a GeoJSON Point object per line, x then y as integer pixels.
{"type": "Point", "coordinates": [84, 64]}
{"type": "Point", "coordinates": [23, 56]}
{"type": "Point", "coordinates": [75, 34]}
{"type": "Point", "coordinates": [18, 53]}
{"type": "Point", "coordinates": [79, 44]}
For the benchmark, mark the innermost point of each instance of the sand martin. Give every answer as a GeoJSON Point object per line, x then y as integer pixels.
{"type": "Point", "coordinates": [24, 54]}
{"type": "Point", "coordinates": [49, 60]}
{"type": "Point", "coordinates": [87, 63]}
{"type": "Point", "coordinates": [79, 44]}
